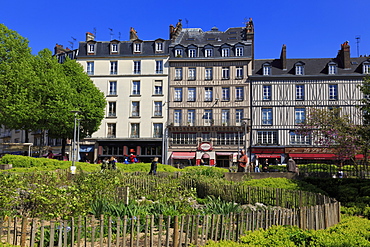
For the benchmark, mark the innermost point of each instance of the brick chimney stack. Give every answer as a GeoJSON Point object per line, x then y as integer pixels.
{"type": "Point", "coordinates": [133, 34]}
{"type": "Point", "coordinates": [58, 49]}
{"type": "Point", "coordinates": [345, 56]}
{"type": "Point", "coordinates": [283, 58]}
{"type": "Point", "coordinates": [90, 36]}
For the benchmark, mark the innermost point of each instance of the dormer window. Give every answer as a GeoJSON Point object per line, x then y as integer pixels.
{"type": "Point", "coordinates": [91, 48]}
{"type": "Point", "coordinates": [208, 52]}
{"type": "Point", "coordinates": [137, 47]}
{"type": "Point", "coordinates": [267, 69]}
{"type": "Point", "coordinates": [178, 53]}
{"type": "Point", "coordinates": [299, 68]}
{"type": "Point", "coordinates": [366, 67]}
{"type": "Point", "coordinates": [225, 52]}
{"type": "Point", "coordinates": [332, 68]}
{"type": "Point", "coordinates": [239, 51]}
{"type": "Point", "coordinates": [192, 52]}
{"type": "Point", "coordinates": [114, 48]}
{"type": "Point", "coordinates": [159, 46]}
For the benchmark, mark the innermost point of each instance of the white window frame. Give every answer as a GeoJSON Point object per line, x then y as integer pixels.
{"type": "Point", "coordinates": [135, 130]}
{"type": "Point", "coordinates": [135, 88]}
{"type": "Point", "coordinates": [225, 73]}
{"type": "Point", "coordinates": [266, 116]}
{"type": "Point", "coordinates": [300, 115]}
{"type": "Point", "coordinates": [333, 91]}
{"type": "Point", "coordinates": [113, 67]}
{"type": "Point", "coordinates": [137, 67]}
{"type": "Point", "coordinates": [266, 94]}
{"type": "Point", "coordinates": [239, 72]}
{"type": "Point", "coordinates": [208, 116]}
{"type": "Point", "coordinates": [137, 47]}
{"type": "Point", "coordinates": [111, 130]}
{"type": "Point", "coordinates": [135, 109]}
{"type": "Point", "coordinates": [178, 52]}
{"type": "Point", "coordinates": [192, 74]}
{"type": "Point", "coordinates": [239, 93]}
{"type": "Point", "coordinates": [157, 130]}
{"type": "Point", "coordinates": [225, 116]}
{"type": "Point", "coordinates": [208, 52]}
{"type": "Point", "coordinates": [178, 73]}
{"type": "Point", "coordinates": [159, 66]}
{"type": "Point", "coordinates": [266, 70]}
{"type": "Point", "coordinates": [332, 69]}
{"type": "Point", "coordinates": [159, 46]}
{"type": "Point", "coordinates": [225, 94]}
{"type": "Point", "coordinates": [225, 52]}
{"type": "Point", "coordinates": [177, 116]}
{"type": "Point", "coordinates": [208, 94]}
{"type": "Point", "coordinates": [157, 109]}
{"type": "Point", "coordinates": [90, 68]}
{"type": "Point", "coordinates": [239, 113]}
{"type": "Point", "coordinates": [267, 137]}
{"type": "Point", "coordinates": [158, 87]}
{"type": "Point", "coordinates": [91, 48]}
{"type": "Point", "coordinates": [112, 88]}
{"type": "Point", "coordinates": [299, 139]}
{"type": "Point", "coordinates": [366, 68]}
{"type": "Point", "coordinates": [112, 106]}
{"type": "Point", "coordinates": [114, 48]}
{"type": "Point", "coordinates": [192, 52]}
{"type": "Point", "coordinates": [299, 70]}
{"type": "Point", "coordinates": [209, 73]}
{"type": "Point", "coordinates": [239, 51]}
{"type": "Point", "coordinates": [299, 92]}
{"type": "Point", "coordinates": [192, 94]}
{"type": "Point", "coordinates": [177, 94]}
{"type": "Point", "coordinates": [191, 117]}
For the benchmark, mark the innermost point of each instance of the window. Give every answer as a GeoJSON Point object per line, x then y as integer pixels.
{"type": "Point", "coordinates": [266, 94]}
{"type": "Point", "coordinates": [267, 137]}
{"type": "Point", "coordinates": [91, 48]}
{"type": "Point", "coordinates": [158, 87]}
{"type": "Point", "coordinates": [135, 130]}
{"type": "Point", "coordinates": [225, 94]}
{"type": "Point", "coordinates": [112, 88]}
{"type": "Point", "coordinates": [239, 113]}
{"type": "Point", "coordinates": [137, 67]}
{"type": "Point", "coordinates": [191, 117]}
{"type": "Point", "coordinates": [90, 68]}
{"type": "Point", "coordinates": [333, 91]}
{"type": "Point", "coordinates": [299, 92]}
{"type": "Point", "coordinates": [299, 139]}
{"type": "Point", "coordinates": [266, 70]}
{"type": "Point", "coordinates": [111, 130]}
{"type": "Point", "coordinates": [239, 51]}
{"type": "Point", "coordinates": [191, 94]}
{"type": "Point", "coordinates": [300, 115]}
{"type": "Point", "coordinates": [366, 67]}
{"type": "Point", "coordinates": [159, 46]}
{"type": "Point", "coordinates": [157, 130]}
{"type": "Point", "coordinates": [209, 74]}
{"type": "Point", "coordinates": [113, 68]}
{"type": "Point", "coordinates": [267, 116]}
{"type": "Point", "coordinates": [225, 73]}
{"type": "Point", "coordinates": [208, 53]}
{"type": "Point", "coordinates": [299, 70]}
{"type": "Point", "coordinates": [177, 117]}
{"type": "Point", "coordinates": [191, 75]}
{"type": "Point", "coordinates": [178, 94]}
{"type": "Point", "coordinates": [208, 118]}
{"type": "Point", "coordinates": [159, 67]}
{"type": "Point", "coordinates": [178, 73]}
{"type": "Point", "coordinates": [239, 72]}
{"type": "Point", "coordinates": [229, 138]}
{"type": "Point", "coordinates": [114, 48]}
{"type": "Point", "coordinates": [192, 53]}
{"type": "Point", "coordinates": [208, 94]}
{"type": "Point", "coordinates": [135, 108]}
{"type": "Point", "coordinates": [137, 47]}
{"type": "Point", "coordinates": [239, 93]}
{"type": "Point", "coordinates": [332, 69]}
{"type": "Point", "coordinates": [225, 52]}
{"type": "Point", "coordinates": [206, 136]}
{"type": "Point", "coordinates": [184, 138]}
{"type": "Point", "coordinates": [111, 109]}
{"type": "Point", "coordinates": [225, 116]}
{"type": "Point", "coordinates": [135, 88]}
{"type": "Point", "coordinates": [158, 108]}
{"type": "Point", "coordinates": [178, 53]}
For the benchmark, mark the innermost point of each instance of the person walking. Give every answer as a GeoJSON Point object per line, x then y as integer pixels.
{"type": "Point", "coordinates": [291, 165]}
{"type": "Point", "coordinates": [153, 166]}
{"type": "Point", "coordinates": [243, 162]}
{"type": "Point", "coordinates": [257, 165]}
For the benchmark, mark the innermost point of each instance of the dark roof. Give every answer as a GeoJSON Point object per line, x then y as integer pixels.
{"type": "Point", "coordinates": [125, 49]}
{"type": "Point", "coordinates": [312, 67]}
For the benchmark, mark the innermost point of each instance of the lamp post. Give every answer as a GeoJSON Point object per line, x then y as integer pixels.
{"type": "Point", "coordinates": [74, 139]}
{"type": "Point", "coordinates": [248, 122]}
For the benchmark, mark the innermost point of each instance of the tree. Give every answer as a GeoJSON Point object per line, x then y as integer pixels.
{"type": "Point", "coordinates": [328, 129]}
{"type": "Point", "coordinates": [365, 108]}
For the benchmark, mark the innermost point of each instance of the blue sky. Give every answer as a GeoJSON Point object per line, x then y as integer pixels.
{"type": "Point", "coordinates": [310, 29]}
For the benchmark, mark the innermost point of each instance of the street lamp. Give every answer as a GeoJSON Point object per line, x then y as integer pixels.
{"type": "Point", "coordinates": [246, 123]}
{"type": "Point", "coordinates": [74, 140]}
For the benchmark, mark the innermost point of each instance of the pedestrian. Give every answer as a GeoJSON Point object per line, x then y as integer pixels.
{"type": "Point", "coordinates": [291, 165]}
{"type": "Point", "coordinates": [243, 162]}
{"type": "Point", "coordinates": [104, 164]}
{"type": "Point", "coordinates": [112, 163]}
{"type": "Point", "coordinates": [257, 168]}
{"type": "Point", "coordinates": [265, 165]}
{"type": "Point", "coordinates": [50, 155]}
{"type": "Point", "coordinates": [153, 166]}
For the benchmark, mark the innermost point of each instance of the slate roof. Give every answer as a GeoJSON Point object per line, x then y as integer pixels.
{"type": "Point", "coordinates": [313, 67]}
{"type": "Point", "coordinates": [125, 49]}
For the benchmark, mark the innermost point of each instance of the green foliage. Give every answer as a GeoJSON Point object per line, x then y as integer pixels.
{"type": "Point", "coordinates": [208, 171]}
{"type": "Point", "coordinates": [218, 206]}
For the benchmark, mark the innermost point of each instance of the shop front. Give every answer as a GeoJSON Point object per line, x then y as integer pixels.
{"type": "Point", "coordinates": [306, 155]}
{"type": "Point", "coordinates": [272, 156]}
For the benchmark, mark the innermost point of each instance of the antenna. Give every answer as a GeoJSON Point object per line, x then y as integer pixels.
{"type": "Point", "coordinates": [111, 33]}
{"type": "Point", "coordinates": [187, 22]}
{"type": "Point", "coordinates": [72, 42]}
{"type": "Point", "coordinates": [358, 37]}
{"type": "Point", "coordinates": [95, 32]}
{"type": "Point", "coordinates": [119, 35]}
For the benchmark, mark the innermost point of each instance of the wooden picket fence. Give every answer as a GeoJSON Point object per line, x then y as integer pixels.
{"type": "Point", "coordinates": [174, 231]}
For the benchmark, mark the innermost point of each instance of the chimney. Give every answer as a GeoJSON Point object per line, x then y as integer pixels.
{"type": "Point", "coordinates": [133, 34]}
{"type": "Point", "coordinates": [250, 30]}
{"type": "Point", "coordinates": [175, 31]}
{"type": "Point", "coordinates": [344, 55]}
{"type": "Point", "coordinates": [283, 58]}
{"type": "Point", "coordinates": [58, 49]}
{"type": "Point", "coordinates": [90, 36]}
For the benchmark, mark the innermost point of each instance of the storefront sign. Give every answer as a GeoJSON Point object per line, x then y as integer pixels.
{"type": "Point", "coordinates": [205, 146]}
{"type": "Point", "coordinates": [310, 150]}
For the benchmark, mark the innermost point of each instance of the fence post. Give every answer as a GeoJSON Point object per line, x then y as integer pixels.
{"type": "Point", "coordinates": [176, 231]}
{"type": "Point", "coordinates": [24, 231]}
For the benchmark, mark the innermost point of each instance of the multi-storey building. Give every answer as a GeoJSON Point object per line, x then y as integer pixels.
{"type": "Point", "coordinates": [208, 94]}
{"type": "Point", "coordinates": [282, 92]}
{"type": "Point", "coordinates": [134, 77]}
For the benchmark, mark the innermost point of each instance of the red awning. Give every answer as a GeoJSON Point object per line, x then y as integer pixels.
{"type": "Point", "coordinates": [266, 156]}
{"type": "Point", "coordinates": [183, 155]}
{"type": "Point", "coordinates": [314, 156]}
